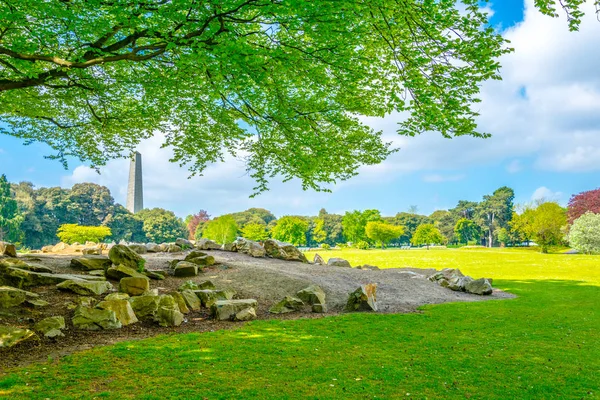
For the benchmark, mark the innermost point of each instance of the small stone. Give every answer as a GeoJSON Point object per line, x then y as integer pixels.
{"type": "Point", "coordinates": [117, 296]}
{"type": "Point", "coordinates": [168, 313]}
{"type": "Point", "coordinates": [286, 305]}
{"type": "Point", "coordinates": [51, 326]}
{"type": "Point", "coordinates": [191, 285]}
{"type": "Point", "coordinates": [318, 260]}
{"type": "Point", "coordinates": [119, 272]}
{"type": "Point", "coordinates": [202, 260]}
{"type": "Point", "coordinates": [155, 275]}
{"type": "Point", "coordinates": [312, 294]}
{"type": "Point", "coordinates": [227, 309]}
{"type": "Point", "coordinates": [184, 243]}
{"type": "Point", "coordinates": [319, 308]}
{"type": "Point", "coordinates": [37, 303]}
{"type": "Point", "coordinates": [145, 306]}
{"type": "Point", "coordinates": [247, 314]}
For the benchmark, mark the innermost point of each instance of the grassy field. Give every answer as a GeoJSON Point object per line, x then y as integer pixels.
{"type": "Point", "coordinates": [544, 344]}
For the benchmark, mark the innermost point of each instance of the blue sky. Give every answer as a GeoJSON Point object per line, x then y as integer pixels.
{"type": "Point", "coordinates": [544, 117]}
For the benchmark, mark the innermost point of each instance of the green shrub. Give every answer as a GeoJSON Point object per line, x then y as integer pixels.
{"type": "Point", "coordinates": [362, 245]}
{"type": "Point", "coordinates": [325, 246]}
{"type": "Point", "coordinates": [71, 233]}
{"type": "Point", "coordinates": [141, 265]}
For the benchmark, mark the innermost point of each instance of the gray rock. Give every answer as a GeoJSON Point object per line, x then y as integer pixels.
{"type": "Point", "coordinates": [249, 247]}
{"type": "Point", "coordinates": [247, 314]}
{"type": "Point", "coordinates": [85, 288]}
{"type": "Point", "coordinates": [479, 286]}
{"type": "Point", "coordinates": [191, 299]}
{"type": "Point", "coordinates": [186, 269]}
{"type": "Point", "coordinates": [123, 255]}
{"type": "Point", "coordinates": [91, 263]}
{"type": "Point", "coordinates": [153, 248]}
{"type": "Point", "coordinates": [229, 247]}
{"type": "Point", "coordinates": [121, 271]}
{"type": "Point", "coordinates": [286, 305]}
{"type": "Point", "coordinates": [168, 313]}
{"type": "Point", "coordinates": [206, 244]}
{"type": "Point", "coordinates": [283, 251]}
{"type": "Point", "coordinates": [51, 327]}
{"type": "Point", "coordinates": [227, 309]}
{"type": "Point", "coordinates": [173, 248]}
{"type": "Point", "coordinates": [94, 319]}
{"type": "Point", "coordinates": [363, 299]}
{"type": "Point", "coordinates": [202, 260]}
{"type": "Point", "coordinates": [318, 260]}
{"type": "Point", "coordinates": [180, 300]}
{"type": "Point", "coordinates": [8, 249]}
{"type": "Point", "coordinates": [319, 308]}
{"type": "Point", "coordinates": [338, 262]}
{"type": "Point", "coordinates": [122, 309]}
{"type": "Point", "coordinates": [117, 296]}
{"type": "Point", "coordinates": [184, 243]}
{"type": "Point", "coordinates": [208, 297]}
{"type": "Point", "coordinates": [11, 297]}
{"type": "Point", "coordinates": [21, 278]}
{"type": "Point", "coordinates": [138, 248]}
{"type": "Point", "coordinates": [312, 294]}
{"type": "Point", "coordinates": [458, 283]}
{"type": "Point", "coordinates": [92, 251]}
{"type": "Point", "coordinates": [145, 306]}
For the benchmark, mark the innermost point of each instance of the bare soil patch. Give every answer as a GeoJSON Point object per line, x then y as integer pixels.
{"type": "Point", "coordinates": [266, 280]}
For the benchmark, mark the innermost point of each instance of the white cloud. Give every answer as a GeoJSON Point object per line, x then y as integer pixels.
{"type": "Point", "coordinates": [543, 193]}
{"type": "Point", "coordinates": [437, 178]}
{"type": "Point", "coordinates": [514, 167]}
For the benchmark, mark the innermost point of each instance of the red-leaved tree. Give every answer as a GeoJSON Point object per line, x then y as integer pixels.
{"type": "Point", "coordinates": [201, 216]}
{"type": "Point", "coordinates": [582, 203]}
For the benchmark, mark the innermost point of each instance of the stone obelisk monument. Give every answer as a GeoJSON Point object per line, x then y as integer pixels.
{"type": "Point", "coordinates": [135, 194]}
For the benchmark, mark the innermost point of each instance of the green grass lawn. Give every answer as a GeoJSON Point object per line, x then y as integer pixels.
{"type": "Point", "coordinates": [544, 344]}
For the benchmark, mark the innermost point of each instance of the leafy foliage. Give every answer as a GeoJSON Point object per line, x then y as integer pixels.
{"type": "Point", "coordinates": [162, 226]}
{"type": "Point", "coordinates": [382, 233]}
{"type": "Point", "coordinates": [124, 225]}
{"type": "Point", "coordinates": [466, 230]}
{"type": "Point", "coordinates": [73, 233]}
{"type": "Point", "coordinates": [255, 231]}
{"type": "Point", "coordinates": [427, 234]}
{"type": "Point", "coordinates": [291, 229]}
{"type": "Point", "coordinates": [194, 221]}
{"type": "Point", "coordinates": [548, 223]}
{"type": "Point", "coordinates": [355, 222]}
{"type": "Point", "coordinates": [410, 222]}
{"type": "Point", "coordinates": [222, 229]}
{"type": "Point", "coordinates": [319, 235]}
{"type": "Point", "coordinates": [10, 216]}
{"type": "Point", "coordinates": [92, 78]}
{"type": "Point", "coordinates": [584, 234]}
{"type": "Point", "coordinates": [582, 203]}
{"type": "Point", "coordinates": [495, 211]}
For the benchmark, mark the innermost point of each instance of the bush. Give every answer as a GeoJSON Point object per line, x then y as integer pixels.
{"type": "Point", "coordinates": [362, 245]}
{"type": "Point", "coordinates": [71, 233]}
{"type": "Point", "coordinates": [325, 246]}
{"type": "Point", "coordinates": [585, 233]}
{"type": "Point", "coordinates": [341, 245]}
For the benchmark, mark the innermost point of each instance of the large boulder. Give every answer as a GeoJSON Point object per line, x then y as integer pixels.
{"type": "Point", "coordinates": [138, 248]}
{"type": "Point", "coordinates": [134, 285]}
{"type": "Point", "coordinates": [123, 255]}
{"type": "Point", "coordinates": [121, 271]}
{"type": "Point", "coordinates": [91, 263]}
{"type": "Point", "coordinates": [180, 300]}
{"type": "Point", "coordinates": [363, 299]}
{"type": "Point", "coordinates": [208, 297]}
{"type": "Point", "coordinates": [93, 319]}
{"type": "Point", "coordinates": [173, 248]}
{"type": "Point", "coordinates": [11, 336]}
{"type": "Point", "coordinates": [286, 305]}
{"type": "Point", "coordinates": [185, 269]}
{"type": "Point", "coordinates": [85, 288]}
{"type": "Point", "coordinates": [312, 295]}
{"type": "Point", "coordinates": [207, 244]}
{"type": "Point", "coordinates": [168, 313]}
{"type": "Point", "coordinates": [21, 278]}
{"type": "Point", "coordinates": [145, 306]}
{"type": "Point", "coordinates": [249, 247]}
{"type": "Point", "coordinates": [479, 286]}
{"type": "Point", "coordinates": [338, 262]}
{"type": "Point", "coordinates": [60, 247]}
{"type": "Point", "coordinates": [11, 297]}
{"type": "Point", "coordinates": [194, 254]}
{"type": "Point", "coordinates": [191, 299]}
{"type": "Point", "coordinates": [51, 327]}
{"type": "Point", "coordinates": [247, 314]}
{"type": "Point", "coordinates": [227, 309]}
{"type": "Point", "coordinates": [229, 247]}
{"type": "Point", "coordinates": [456, 283]}
{"type": "Point", "coordinates": [283, 251]}
{"type": "Point", "coordinates": [8, 249]}
{"type": "Point", "coordinates": [153, 248]}
{"type": "Point", "coordinates": [122, 310]}
{"type": "Point", "coordinates": [184, 243]}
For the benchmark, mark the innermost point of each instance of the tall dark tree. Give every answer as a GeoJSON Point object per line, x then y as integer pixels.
{"type": "Point", "coordinates": [161, 225]}
{"type": "Point", "coordinates": [90, 203]}
{"type": "Point", "coordinates": [410, 222]}
{"type": "Point", "coordinates": [332, 224]}
{"type": "Point", "coordinates": [10, 216]}
{"type": "Point", "coordinates": [124, 225]}
{"type": "Point", "coordinates": [495, 212]}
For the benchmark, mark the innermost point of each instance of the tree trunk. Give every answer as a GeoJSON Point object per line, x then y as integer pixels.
{"type": "Point", "coordinates": [490, 232]}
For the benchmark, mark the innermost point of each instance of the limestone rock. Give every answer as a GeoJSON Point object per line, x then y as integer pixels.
{"type": "Point", "coordinates": [122, 310]}
{"type": "Point", "coordinates": [138, 248]}
{"type": "Point", "coordinates": [206, 244]}
{"type": "Point", "coordinates": [458, 283]}
{"type": "Point", "coordinates": [11, 297]}
{"type": "Point", "coordinates": [145, 306]}
{"type": "Point", "coordinates": [92, 251]}
{"type": "Point", "coordinates": [163, 247]}
{"type": "Point", "coordinates": [368, 267]}
{"type": "Point", "coordinates": [191, 285]}
{"type": "Point", "coordinates": [446, 273]}
{"type": "Point", "coordinates": [117, 296]}
{"type": "Point", "coordinates": [123, 255]}
{"type": "Point", "coordinates": [37, 303]}
{"type": "Point", "coordinates": [207, 285]}
{"type": "Point", "coordinates": [59, 247]}
{"type": "Point", "coordinates": [134, 285]}
{"type": "Point", "coordinates": [86, 301]}
{"type": "Point", "coordinates": [249, 247]}
{"type": "Point", "coordinates": [194, 254]}
{"type": "Point", "coordinates": [21, 278]}
{"type": "Point", "coordinates": [85, 288]}
{"type": "Point", "coordinates": [94, 319]}
{"type": "Point", "coordinates": [229, 247]}
{"type": "Point", "coordinates": [479, 286]}
{"type": "Point", "coordinates": [312, 294]}
{"type": "Point", "coordinates": [363, 299]}
{"type": "Point", "coordinates": [168, 313]}
{"type": "Point", "coordinates": [284, 251]}
{"type": "Point", "coordinates": [338, 262]}
{"type": "Point", "coordinates": [318, 259]}
{"type": "Point", "coordinates": [121, 271]}
{"type": "Point", "coordinates": [8, 249]}
{"type": "Point", "coordinates": [184, 243]}
{"type": "Point", "coordinates": [208, 296]}
{"type": "Point", "coordinates": [153, 248]}
{"type": "Point", "coordinates": [247, 314]}
{"type": "Point", "coordinates": [286, 305]}
{"type": "Point", "coordinates": [18, 263]}
{"type": "Point", "coordinates": [180, 300]}
{"type": "Point", "coordinates": [204, 260]}
{"type": "Point", "coordinates": [51, 327]}
{"type": "Point", "coordinates": [185, 269]}
{"type": "Point", "coordinates": [91, 263]}
{"type": "Point", "coordinates": [156, 275]}
{"type": "Point", "coordinates": [319, 308]}
{"type": "Point", "coordinates": [191, 299]}
{"type": "Point", "coordinates": [173, 248]}
{"type": "Point", "coordinates": [227, 309]}
{"type": "Point", "coordinates": [11, 336]}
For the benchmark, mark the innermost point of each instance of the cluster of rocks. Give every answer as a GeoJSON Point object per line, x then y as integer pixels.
{"type": "Point", "coordinates": [453, 279]}
{"type": "Point", "coordinates": [193, 263]}
{"type": "Point", "coordinates": [340, 262]}
{"type": "Point", "coordinates": [312, 296]}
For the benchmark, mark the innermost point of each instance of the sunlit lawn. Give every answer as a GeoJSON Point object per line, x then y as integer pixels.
{"type": "Point", "coordinates": [544, 344]}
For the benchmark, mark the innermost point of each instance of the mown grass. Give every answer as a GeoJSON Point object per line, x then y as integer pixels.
{"type": "Point", "coordinates": [544, 344]}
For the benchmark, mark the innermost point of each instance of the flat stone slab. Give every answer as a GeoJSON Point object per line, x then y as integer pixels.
{"type": "Point", "coordinates": [227, 309]}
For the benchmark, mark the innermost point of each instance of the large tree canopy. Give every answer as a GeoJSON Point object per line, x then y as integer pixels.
{"type": "Point", "coordinates": [281, 82]}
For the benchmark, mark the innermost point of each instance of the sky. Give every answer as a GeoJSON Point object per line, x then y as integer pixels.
{"type": "Point", "coordinates": [544, 117]}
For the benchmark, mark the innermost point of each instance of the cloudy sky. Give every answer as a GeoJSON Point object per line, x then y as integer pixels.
{"type": "Point", "coordinates": [544, 117]}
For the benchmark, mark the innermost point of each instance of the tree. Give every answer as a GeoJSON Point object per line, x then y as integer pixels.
{"type": "Point", "coordinates": [383, 233]}
{"type": "Point", "coordinates": [427, 234]}
{"type": "Point", "coordinates": [291, 229]}
{"type": "Point", "coordinates": [10, 217]}
{"type": "Point", "coordinates": [256, 232]}
{"type": "Point", "coordinates": [332, 224]}
{"type": "Point", "coordinates": [583, 202]}
{"type": "Point", "coordinates": [410, 222]}
{"type": "Point", "coordinates": [193, 221]}
{"type": "Point", "coordinates": [73, 233]}
{"type": "Point", "coordinates": [162, 226]}
{"type": "Point", "coordinates": [521, 225]}
{"type": "Point", "coordinates": [584, 234]}
{"type": "Point", "coordinates": [92, 78]}
{"type": "Point", "coordinates": [253, 216]}
{"type": "Point", "coordinates": [355, 222]}
{"type": "Point", "coordinates": [495, 211]}
{"type": "Point", "coordinates": [319, 235]}
{"type": "Point", "coordinates": [90, 203]}
{"type": "Point", "coordinates": [125, 225]}
{"type": "Point", "coordinates": [444, 221]}
{"type": "Point", "coordinates": [548, 223]}
{"type": "Point", "coordinates": [222, 229]}
{"type": "Point", "coordinates": [466, 230]}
